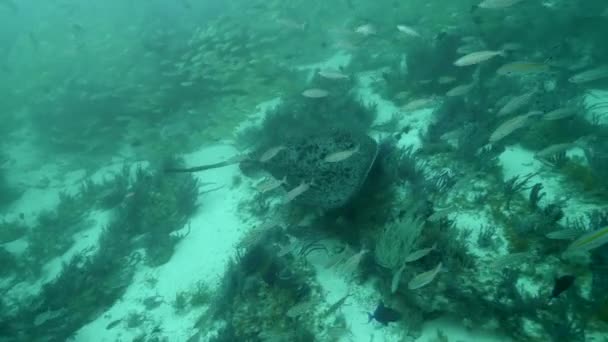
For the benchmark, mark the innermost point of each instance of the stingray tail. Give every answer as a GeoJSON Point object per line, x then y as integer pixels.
{"type": "Point", "coordinates": [186, 170]}
{"type": "Point", "coordinates": [234, 160]}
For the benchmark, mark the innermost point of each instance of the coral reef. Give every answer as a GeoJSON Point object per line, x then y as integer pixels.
{"type": "Point", "coordinates": [260, 290]}
{"type": "Point", "coordinates": [90, 282]}
{"type": "Point", "coordinates": [440, 185]}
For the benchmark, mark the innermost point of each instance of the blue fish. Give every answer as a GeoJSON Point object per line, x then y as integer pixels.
{"type": "Point", "coordinates": [384, 314]}
{"type": "Point", "coordinates": [561, 284]}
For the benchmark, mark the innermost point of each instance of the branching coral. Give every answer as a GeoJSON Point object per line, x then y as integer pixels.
{"type": "Point", "coordinates": [486, 237]}
{"type": "Point", "coordinates": [396, 241]}
{"type": "Point", "coordinates": [261, 275]}
{"type": "Point", "coordinates": [410, 168]}
{"type": "Point", "coordinates": [158, 206]}
{"type": "Point", "coordinates": [514, 185]}
{"type": "Point", "coordinates": [536, 195]}
{"type": "Point", "coordinates": [53, 232]}
{"type": "Point", "coordinates": [404, 166]}
{"type": "Point", "coordinates": [109, 193]}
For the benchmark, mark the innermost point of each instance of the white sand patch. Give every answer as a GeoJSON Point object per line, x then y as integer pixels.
{"type": "Point", "coordinates": [531, 287]}
{"type": "Point", "coordinates": [476, 221]}
{"type": "Point", "coordinates": [385, 108]}
{"type": "Point", "coordinates": [215, 230]}
{"type": "Point", "coordinates": [416, 122]}
{"type": "Point", "coordinates": [517, 161]}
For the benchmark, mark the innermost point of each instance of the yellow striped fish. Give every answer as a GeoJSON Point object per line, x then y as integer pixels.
{"type": "Point", "coordinates": [590, 240]}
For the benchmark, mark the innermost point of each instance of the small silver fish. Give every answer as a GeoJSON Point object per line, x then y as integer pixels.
{"type": "Point", "coordinates": [352, 264]}
{"type": "Point", "coordinates": [553, 149]}
{"type": "Point", "coordinates": [271, 153]}
{"type": "Point", "coordinates": [408, 30]}
{"type": "Point", "coordinates": [515, 103]}
{"type": "Point", "coordinates": [397, 278]}
{"type": "Point", "coordinates": [560, 113]}
{"type": "Point", "coordinates": [508, 127]}
{"type": "Point", "coordinates": [421, 253]}
{"type": "Point", "coordinates": [297, 191]}
{"type": "Point", "coordinates": [366, 30]}
{"type": "Point", "coordinates": [333, 74]}
{"type": "Point", "coordinates": [496, 4]}
{"type": "Point", "coordinates": [419, 104]}
{"type": "Point", "coordinates": [523, 68]}
{"type": "Point", "coordinates": [315, 93]}
{"type": "Point", "coordinates": [477, 57]}
{"type": "Point", "coordinates": [340, 156]}
{"type": "Point", "coordinates": [460, 90]}
{"type": "Point", "coordinates": [424, 278]}
{"type": "Point", "coordinates": [337, 305]}
{"type": "Point", "coordinates": [590, 75]}
{"type": "Point", "coordinates": [270, 184]}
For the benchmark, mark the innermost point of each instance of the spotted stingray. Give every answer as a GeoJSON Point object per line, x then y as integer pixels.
{"type": "Point", "coordinates": [302, 160]}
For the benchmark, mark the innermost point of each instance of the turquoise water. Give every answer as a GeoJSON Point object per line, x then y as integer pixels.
{"type": "Point", "coordinates": [303, 170]}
